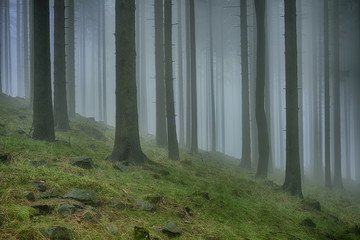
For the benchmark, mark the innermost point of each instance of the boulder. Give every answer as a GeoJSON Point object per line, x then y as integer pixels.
{"type": "Point", "coordinates": [91, 215]}
{"type": "Point", "coordinates": [53, 193]}
{"type": "Point", "coordinates": [66, 209]}
{"type": "Point", "coordinates": [112, 229]}
{"type": "Point", "coordinates": [78, 204]}
{"type": "Point", "coordinates": [83, 162]}
{"type": "Point", "coordinates": [145, 205]}
{"type": "Point", "coordinates": [308, 222]}
{"type": "Point", "coordinates": [120, 166]}
{"type": "Point", "coordinates": [120, 205]}
{"type": "Point", "coordinates": [43, 209]}
{"type": "Point", "coordinates": [57, 233]}
{"type": "Point", "coordinates": [29, 195]}
{"type": "Point", "coordinates": [311, 204]}
{"type": "Point", "coordinates": [39, 185]}
{"type": "Point", "coordinates": [171, 229]}
{"type": "Point", "coordinates": [141, 233]}
{"type": "Point", "coordinates": [85, 196]}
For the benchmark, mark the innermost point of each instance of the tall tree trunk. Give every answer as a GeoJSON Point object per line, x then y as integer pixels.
{"type": "Point", "coordinates": [127, 141]}
{"type": "Point", "coordinates": [263, 135]}
{"type": "Point", "coordinates": [1, 39]}
{"type": "Point", "coordinates": [212, 82]}
{"type": "Point", "coordinates": [336, 92]}
{"type": "Point", "coordinates": [103, 38]}
{"type": "Point", "coordinates": [26, 49]}
{"type": "Point", "coordinates": [173, 148]}
{"type": "Point", "coordinates": [8, 69]}
{"type": "Point", "coordinates": [327, 95]}
{"type": "Point", "coordinates": [82, 61]}
{"type": "Point", "coordinates": [188, 76]}
{"type": "Point", "coordinates": [161, 139]}
{"type": "Point", "coordinates": [19, 51]}
{"type": "Point", "coordinates": [43, 121]}
{"type": "Point", "coordinates": [194, 131]}
{"type": "Point", "coordinates": [70, 57]}
{"type": "Point", "coordinates": [181, 78]}
{"type": "Point", "coordinates": [292, 175]}
{"type": "Point", "coordinates": [246, 141]}
{"type": "Point", "coordinates": [99, 60]}
{"type": "Point", "coordinates": [31, 45]}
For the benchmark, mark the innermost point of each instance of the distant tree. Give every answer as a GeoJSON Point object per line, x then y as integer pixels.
{"type": "Point", "coordinates": [173, 148]}
{"type": "Point", "coordinates": [61, 119]}
{"type": "Point", "coordinates": [7, 36]}
{"type": "Point", "coordinates": [103, 38]}
{"type": "Point", "coordinates": [181, 78]}
{"type": "Point", "coordinates": [263, 135]}
{"type": "Point", "coordinates": [161, 139]}
{"type": "Point", "coordinates": [70, 57]}
{"type": "Point", "coordinates": [25, 44]}
{"type": "Point", "coordinates": [31, 46]}
{"type": "Point", "coordinates": [292, 182]}
{"type": "Point", "coordinates": [43, 121]}
{"type": "Point", "coordinates": [1, 36]}
{"type": "Point", "coordinates": [188, 75]}
{"type": "Point", "coordinates": [127, 141]}
{"type": "Point", "coordinates": [246, 141]}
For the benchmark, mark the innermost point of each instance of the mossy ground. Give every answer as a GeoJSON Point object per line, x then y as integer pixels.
{"type": "Point", "coordinates": [226, 202]}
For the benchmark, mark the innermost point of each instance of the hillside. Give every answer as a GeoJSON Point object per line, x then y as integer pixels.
{"type": "Point", "coordinates": [206, 196]}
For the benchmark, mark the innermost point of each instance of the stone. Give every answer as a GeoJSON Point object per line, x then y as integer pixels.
{"type": "Point", "coordinates": [87, 197]}
{"type": "Point", "coordinates": [141, 233]}
{"type": "Point", "coordinates": [78, 204]}
{"type": "Point", "coordinates": [39, 184]}
{"type": "Point", "coordinates": [53, 193]}
{"type": "Point", "coordinates": [171, 229]}
{"type": "Point", "coordinates": [57, 233]}
{"type": "Point", "coordinates": [83, 162]}
{"type": "Point", "coordinates": [38, 163]}
{"type": "Point", "coordinates": [120, 166]}
{"type": "Point", "coordinates": [43, 209]}
{"type": "Point", "coordinates": [119, 205]}
{"type": "Point", "coordinates": [66, 209]}
{"type": "Point", "coordinates": [311, 204]}
{"type": "Point", "coordinates": [145, 205]}
{"type": "Point", "coordinates": [112, 229]}
{"type": "Point", "coordinates": [29, 195]}
{"type": "Point", "coordinates": [91, 216]}
{"type": "Point", "coordinates": [308, 223]}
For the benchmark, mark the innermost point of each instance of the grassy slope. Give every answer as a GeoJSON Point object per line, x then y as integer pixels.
{"type": "Point", "coordinates": [240, 207]}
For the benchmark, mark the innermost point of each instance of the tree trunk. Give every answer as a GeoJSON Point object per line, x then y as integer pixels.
{"type": "Point", "coordinates": [26, 50]}
{"type": "Point", "coordinates": [292, 182]}
{"type": "Point", "coordinates": [263, 135]}
{"type": "Point", "coordinates": [181, 78]}
{"type": "Point", "coordinates": [32, 54]}
{"type": "Point", "coordinates": [246, 141]}
{"type": "Point", "coordinates": [161, 139]}
{"type": "Point", "coordinates": [70, 58]}
{"type": "Point", "coordinates": [82, 61]}
{"type": "Point", "coordinates": [188, 76]}
{"type": "Point", "coordinates": [8, 68]}
{"type": "Point", "coordinates": [327, 95]}
{"type": "Point", "coordinates": [173, 148]}
{"type": "Point", "coordinates": [19, 51]}
{"type": "Point", "coordinates": [127, 141]}
{"type": "Point", "coordinates": [99, 59]}
{"type": "Point", "coordinates": [1, 38]}
{"type": "Point", "coordinates": [194, 134]}
{"type": "Point", "coordinates": [43, 122]}
{"type": "Point", "coordinates": [104, 108]}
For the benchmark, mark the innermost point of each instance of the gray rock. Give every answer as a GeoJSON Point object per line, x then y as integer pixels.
{"type": "Point", "coordinates": [83, 162]}
{"type": "Point", "coordinates": [43, 209]}
{"type": "Point", "coordinates": [308, 222]}
{"type": "Point", "coordinates": [78, 204]}
{"type": "Point", "coordinates": [112, 229]}
{"type": "Point", "coordinates": [53, 193]}
{"type": "Point", "coordinates": [29, 195]}
{"type": "Point", "coordinates": [120, 166]}
{"type": "Point", "coordinates": [145, 205]}
{"type": "Point", "coordinates": [117, 204]}
{"type": "Point", "coordinates": [40, 185]}
{"type": "Point", "coordinates": [66, 209]}
{"type": "Point", "coordinates": [91, 216]}
{"type": "Point", "coordinates": [85, 196]}
{"type": "Point", "coordinates": [171, 229]}
{"type": "Point", "coordinates": [39, 163]}
{"type": "Point", "coordinates": [57, 233]}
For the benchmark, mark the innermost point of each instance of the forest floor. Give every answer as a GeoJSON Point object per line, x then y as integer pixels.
{"type": "Point", "coordinates": [207, 196]}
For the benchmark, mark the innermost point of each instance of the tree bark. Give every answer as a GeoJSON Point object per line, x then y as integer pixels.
{"type": "Point", "coordinates": [127, 141]}
{"type": "Point", "coordinates": [103, 38]}
{"type": "Point", "coordinates": [181, 78]}
{"type": "Point", "coordinates": [26, 50]}
{"type": "Point", "coordinates": [43, 121]}
{"type": "Point", "coordinates": [292, 182]}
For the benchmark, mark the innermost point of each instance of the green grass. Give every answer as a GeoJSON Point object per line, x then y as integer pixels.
{"type": "Point", "coordinates": [239, 206]}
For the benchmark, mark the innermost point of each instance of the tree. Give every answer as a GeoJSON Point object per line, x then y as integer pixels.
{"type": "Point", "coordinates": [127, 141]}
{"type": "Point", "coordinates": [246, 142]}
{"type": "Point", "coordinates": [263, 135]}
{"type": "Point", "coordinates": [26, 49]}
{"type": "Point", "coordinates": [61, 119]}
{"type": "Point", "coordinates": [181, 79]}
{"type": "Point", "coordinates": [104, 108]}
{"type": "Point", "coordinates": [194, 134]}
{"type": "Point", "coordinates": [43, 121]}
{"type": "Point", "coordinates": [70, 57]}
{"type": "Point", "coordinates": [161, 139]}
{"type": "Point", "coordinates": [292, 182]}
{"type": "Point", "coordinates": [173, 148]}
{"type": "Point", "coordinates": [1, 36]}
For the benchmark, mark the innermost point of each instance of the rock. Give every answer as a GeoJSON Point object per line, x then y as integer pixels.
{"type": "Point", "coordinates": [85, 196]}
{"type": "Point", "coordinates": [38, 163]}
{"type": "Point", "coordinates": [53, 193]}
{"type": "Point", "coordinates": [91, 216]}
{"type": "Point", "coordinates": [83, 162]}
{"type": "Point", "coordinates": [308, 222]}
{"type": "Point", "coordinates": [171, 229]}
{"type": "Point", "coordinates": [156, 176]}
{"type": "Point", "coordinates": [66, 209]}
{"type": "Point", "coordinates": [5, 158]}
{"type": "Point", "coordinates": [2, 219]}
{"type": "Point", "coordinates": [119, 205]}
{"type": "Point", "coordinates": [29, 195]}
{"type": "Point", "coordinates": [141, 233]}
{"type": "Point", "coordinates": [39, 184]}
{"type": "Point", "coordinates": [311, 204]}
{"type": "Point", "coordinates": [57, 233]}
{"type": "Point", "coordinates": [120, 166]}
{"type": "Point", "coordinates": [112, 229]}
{"type": "Point", "coordinates": [43, 209]}
{"type": "Point", "coordinates": [77, 204]}
{"type": "Point", "coordinates": [145, 205]}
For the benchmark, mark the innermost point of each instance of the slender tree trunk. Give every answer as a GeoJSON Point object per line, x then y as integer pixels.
{"type": "Point", "coordinates": [173, 148]}
{"type": "Point", "coordinates": [26, 50]}
{"type": "Point", "coordinates": [212, 82]}
{"type": "Point", "coordinates": [336, 92]}
{"type": "Point", "coordinates": [8, 69]}
{"type": "Point", "coordinates": [263, 135]}
{"type": "Point", "coordinates": [1, 39]}
{"type": "Point", "coordinates": [327, 95]}
{"type": "Point", "coordinates": [83, 65]}
{"type": "Point", "coordinates": [70, 58]}
{"type": "Point", "coordinates": [104, 108]}
{"type": "Point", "coordinates": [43, 122]}
{"type": "Point", "coordinates": [181, 79]}
{"type": "Point", "coordinates": [127, 141]}
{"type": "Point", "coordinates": [32, 54]}
{"type": "Point", "coordinates": [19, 51]}
{"type": "Point", "coordinates": [161, 138]}
{"type": "Point", "coordinates": [292, 175]}
{"type": "Point", "coordinates": [188, 76]}
{"type": "Point", "coordinates": [99, 60]}
{"type": "Point", "coordinates": [194, 131]}
{"type": "Point", "coordinates": [246, 141]}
